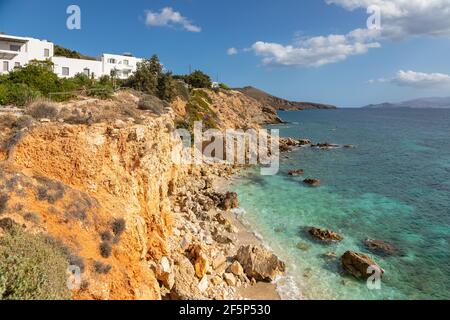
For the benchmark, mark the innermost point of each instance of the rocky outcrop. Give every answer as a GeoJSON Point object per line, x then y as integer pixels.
{"type": "Point", "coordinates": [324, 235]}
{"type": "Point", "coordinates": [296, 173]}
{"type": "Point", "coordinates": [279, 103]}
{"type": "Point", "coordinates": [381, 247]}
{"type": "Point", "coordinates": [230, 201]}
{"type": "Point", "coordinates": [259, 263]}
{"type": "Point", "coordinates": [312, 182]}
{"type": "Point", "coordinates": [325, 146]}
{"type": "Point", "coordinates": [359, 265]}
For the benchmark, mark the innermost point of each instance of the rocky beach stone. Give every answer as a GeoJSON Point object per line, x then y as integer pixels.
{"type": "Point", "coordinates": [359, 265]}
{"type": "Point", "coordinates": [237, 269]}
{"type": "Point", "coordinates": [218, 261]}
{"type": "Point", "coordinates": [259, 263]}
{"type": "Point", "coordinates": [229, 279]}
{"type": "Point", "coordinates": [324, 235]}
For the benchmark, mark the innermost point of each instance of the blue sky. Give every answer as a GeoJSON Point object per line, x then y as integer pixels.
{"type": "Point", "coordinates": [277, 44]}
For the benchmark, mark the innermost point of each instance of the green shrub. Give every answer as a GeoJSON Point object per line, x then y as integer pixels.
{"type": "Point", "coordinates": [18, 94]}
{"type": "Point", "coordinates": [153, 104]}
{"type": "Point", "coordinates": [118, 226]}
{"type": "Point", "coordinates": [4, 198]}
{"type": "Point", "coordinates": [102, 268]}
{"type": "Point", "coordinates": [42, 109]}
{"type": "Point", "coordinates": [224, 86]}
{"type": "Point", "coordinates": [199, 79]}
{"type": "Point", "coordinates": [105, 249]}
{"type": "Point", "coordinates": [32, 267]}
{"type": "Point", "coordinates": [101, 91]}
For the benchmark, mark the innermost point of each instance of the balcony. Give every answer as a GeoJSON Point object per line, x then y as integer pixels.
{"type": "Point", "coordinates": [8, 42]}
{"type": "Point", "coordinates": [8, 54]}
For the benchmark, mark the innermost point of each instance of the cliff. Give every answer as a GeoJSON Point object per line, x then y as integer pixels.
{"type": "Point", "coordinates": [98, 177]}
{"type": "Point", "coordinates": [276, 103]}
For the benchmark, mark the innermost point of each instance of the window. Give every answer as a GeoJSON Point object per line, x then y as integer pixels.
{"type": "Point", "coordinates": [112, 61]}
{"type": "Point", "coordinates": [126, 62]}
{"type": "Point", "coordinates": [5, 66]}
{"type": "Point", "coordinates": [16, 65]}
{"type": "Point", "coordinates": [46, 53]}
{"type": "Point", "coordinates": [87, 72]}
{"type": "Point", "coordinates": [65, 71]}
{"type": "Point", "coordinates": [14, 47]}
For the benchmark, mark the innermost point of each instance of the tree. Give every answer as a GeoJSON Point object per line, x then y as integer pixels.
{"type": "Point", "coordinates": [146, 77]}
{"type": "Point", "coordinates": [167, 87]}
{"type": "Point", "coordinates": [199, 79]}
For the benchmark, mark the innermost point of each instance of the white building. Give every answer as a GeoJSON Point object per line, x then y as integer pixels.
{"type": "Point", "coordinates": [18, 51]}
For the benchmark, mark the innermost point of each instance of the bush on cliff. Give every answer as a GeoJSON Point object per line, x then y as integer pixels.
{"type": "Point", "coordinates": [198, 79]}
{"type": "Point", "coordinates": [37, 79]}
{"type": "Point", "coordinates": [150, 78]}
{"type": "Point", "coordinates": [32, 267]}
{"type": "Point", "coordinates": [198, 109]}
{"type": "Point", "coordinates": [153, 104]}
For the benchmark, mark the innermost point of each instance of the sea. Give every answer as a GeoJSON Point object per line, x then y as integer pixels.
{"type": "Point", "coordinates": [393, 186]}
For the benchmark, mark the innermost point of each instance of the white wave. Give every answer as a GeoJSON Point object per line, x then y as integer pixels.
{"type": "Point", "coordinates": [287, 288]}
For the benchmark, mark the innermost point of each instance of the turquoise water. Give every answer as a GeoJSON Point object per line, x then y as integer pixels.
{"type": "Point", "coordinates": [394, 186]}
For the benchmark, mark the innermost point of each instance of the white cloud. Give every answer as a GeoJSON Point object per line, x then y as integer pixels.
{"type": "Point", "coordinates": [405, 18]}
{"type": "Point", "coordinates": [417, 79]}
{"type": "Point", "coordinates": [232, 51]}
{"type": "Point", "coordinates": [167, 17]}
{"type": "Point", "coordinates": [316, 51]}
{"type": "Point", "coordinates": [400, 19]}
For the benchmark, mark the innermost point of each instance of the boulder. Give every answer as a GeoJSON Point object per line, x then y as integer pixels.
{"type": "Point", "coordinates": [237, 269]}
{"type": "Point", "coordinates": [186, 284]}
{"type": "Point", "coordinates": [296, 173]}
{"type": "Point", "coordinates": [324, 235]}
{"type": "Point", "coordinates": [218, 261]}
{"type": "Point", "coordinates": [230, 279]}
{"type": "Point", "coordinates": [164, 273]}
{"type": "Point", "coordinates": [381, 247]}
{"type": "Point", "coordinates": [312, 182]}
{"type": "Point", "coordinates": [230, 201]}
{"type": "Point", "coordinates": [216, 280]}
{"type": "Point", "coordinates": [358, 264]}
{"type": "Point", "coordinates": [200, 260]}
{"type": "Point", "coordinates": [203, 284]}
{"type": "Point", "coordinates": [259, 263]}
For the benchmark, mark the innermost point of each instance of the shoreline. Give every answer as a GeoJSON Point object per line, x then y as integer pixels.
{"type": "Point", "coordinates": [246, 236]}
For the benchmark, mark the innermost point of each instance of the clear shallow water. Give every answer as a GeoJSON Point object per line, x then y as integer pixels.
{"type": "Point", "coordinates": [394, 186]}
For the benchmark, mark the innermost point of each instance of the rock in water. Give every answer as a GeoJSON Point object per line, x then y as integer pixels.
{"type": "Point", "coordinates": [381, 247]}
{"type": "Point", "coordinates": [259, 263]}
{"type": "Point", "coordinates": [312, 182]}
{"type": "Point", "coordinates": [296, 173]}
{"type": "Point", "coordinates": [324, 235]}
{"type": "Point", "coordinates": [358, 264]}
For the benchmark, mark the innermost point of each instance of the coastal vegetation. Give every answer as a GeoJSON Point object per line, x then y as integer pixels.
{"type": "Point", "coordinates": [37, 80]}
{"type": "Point", "coordinates": [32, 267]}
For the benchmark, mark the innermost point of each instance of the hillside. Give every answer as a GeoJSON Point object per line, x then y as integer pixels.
{"type": "Point", "coordinates": [422, 103]}
{"type": "Point", "coordinates": [279, 103]}
{"type": "Point", "coordinates": [96, 182]}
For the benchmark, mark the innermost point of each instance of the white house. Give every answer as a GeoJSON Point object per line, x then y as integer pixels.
{"type": "Point", "coordinates": [18, 51]}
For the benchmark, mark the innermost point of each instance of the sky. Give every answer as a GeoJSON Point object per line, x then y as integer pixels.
{"type": "Point", "coordinates": [306, 50]}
